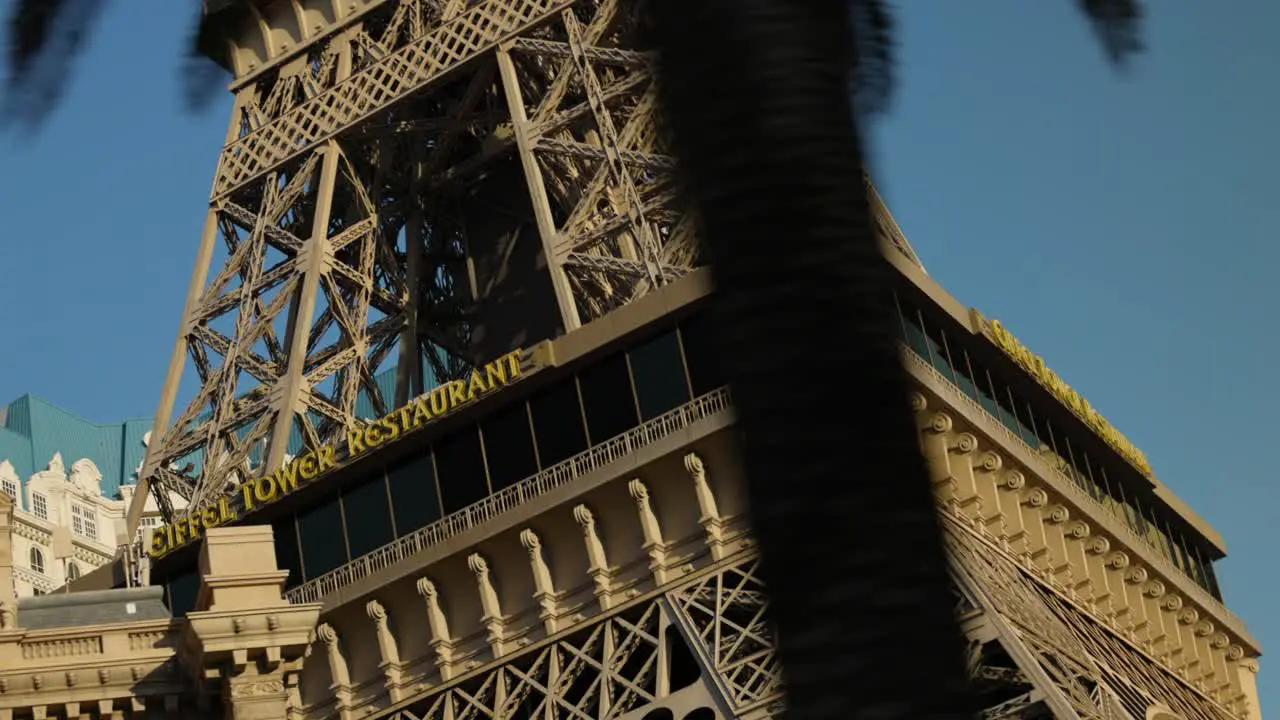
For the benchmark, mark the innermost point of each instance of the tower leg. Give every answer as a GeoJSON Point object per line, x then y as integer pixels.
{"type": "Point", "coordinates": [537, 192]}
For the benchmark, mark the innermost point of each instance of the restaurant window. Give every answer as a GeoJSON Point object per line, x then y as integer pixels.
{"type": "Point", "coordinates": [1073, 466]}
{"type": "Point", "coordinates": [1155, 534]}
{"type": "Point", "coordinates": [1139, 518]}
{"type": "Point", "coordinates": [1179, 544]}
{"type": "Point", "coordinates": [1123, 508]}
{"type": "Point", "coordinates": [964, 372]}
{"type": "Point", "coordinates": [460, 467]}
{"type": "Point", "coordinates": [913, 329]}
{"type": "Point", "coordinates": [1017, 416]}
{"type": "Point", "coordinates": [1045, 440]}
{"type": "Point", "coordinates": [701, 354]}
{"type": "Point", "coordinates": [938, 357]}
{"type": "Point", "coordinates": [287, 558]}
{"type": "Point", "coordinates": [508, 445]}
{"type": "Point", "coordinates": [1111, 495]}
{"type": "Point", "coordinates": [1211, 579]}
{"type": "Point", "coordinates": [607, 399]}
{"type": "Point", "coordinates": [367, 515]}
{"type": "Point", "coordinates": [657, 369]}
{"type": "Point", "coordinates": [557, 423]}
{"type": "Point", "coordinates": [982, 382]}
{"type": "Point", "coordinates": [184, 589]}
{"type": "Point", "coordinates": [414, 501]}
{"type": "Point", "coordinates": [322, 539]}
{"type": "Point", "coordinates": [1194, 567]}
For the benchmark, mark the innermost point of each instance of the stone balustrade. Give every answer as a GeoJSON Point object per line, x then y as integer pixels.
{"type": "Point", "coordinates": [1060, 539]}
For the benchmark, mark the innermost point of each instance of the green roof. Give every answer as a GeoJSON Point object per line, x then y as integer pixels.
{"type": "Point", "coordinates": [34, 429]}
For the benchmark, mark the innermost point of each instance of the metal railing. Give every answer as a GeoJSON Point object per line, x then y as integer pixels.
{"type": "Point", "coordinates": [509, 498]}
{"type": "Point", "coordinates": [1080, 497]}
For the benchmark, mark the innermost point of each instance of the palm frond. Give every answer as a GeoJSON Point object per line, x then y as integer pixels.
{"type": "Point", "coordinates": [44, 39]}
{"type": "Point", "coordinates": [1118, 25]}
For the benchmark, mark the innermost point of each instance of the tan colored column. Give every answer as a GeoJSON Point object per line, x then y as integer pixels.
{"type": "Point", "coordinates": [8, 597]}
{"type": "Point", "coordinates": [244, 633]}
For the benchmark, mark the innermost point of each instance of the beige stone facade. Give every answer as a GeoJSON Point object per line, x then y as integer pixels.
{"type": "Point", "coordinates": [621, 583]}
{"type": "Point", "coordinates": [63, 525]}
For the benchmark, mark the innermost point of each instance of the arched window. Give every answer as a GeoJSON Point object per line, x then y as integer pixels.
{"type": "Point", "coordinates": [37, 560]}
{"type": "Point", "coordinates": [73, 571]}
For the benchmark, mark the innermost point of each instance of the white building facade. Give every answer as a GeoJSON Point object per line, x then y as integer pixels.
{"type": "Point", "coordinates": [63, 526]}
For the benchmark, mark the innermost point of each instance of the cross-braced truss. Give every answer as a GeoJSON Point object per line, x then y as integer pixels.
{"type": "Point", "coordinates": [348, 202]}
{"type": "Point", "coordinates": [394, 195]}
{"type": "Point", "coordinates": [1067, 664]}
{"type": "Point", "coordinates": [1032, 656]}
{"type": "Point", "coordinates": [704, 646]}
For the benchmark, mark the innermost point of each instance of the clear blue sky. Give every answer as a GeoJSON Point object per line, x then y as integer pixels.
{"type": "Point", "coordinates": [1125, 227]}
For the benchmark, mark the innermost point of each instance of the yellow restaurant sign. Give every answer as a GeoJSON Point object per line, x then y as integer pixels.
{"type": "Point", "coordinates": [355, 442]}
{"type": "Point", "coordinates": [1034, 364]}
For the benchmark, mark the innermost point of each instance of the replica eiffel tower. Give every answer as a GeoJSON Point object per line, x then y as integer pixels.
{"type": "Point", "coordinates": [411, 189]}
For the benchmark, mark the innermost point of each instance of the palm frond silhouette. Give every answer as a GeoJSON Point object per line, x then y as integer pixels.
{"type": "Point", "coordinates": [757, 96]}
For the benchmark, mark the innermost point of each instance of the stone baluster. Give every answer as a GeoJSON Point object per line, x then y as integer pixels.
{"type": "Point", "coordinates": [340, 677]}
{"type": "Point", "coordinates": [1170, 606]}
{"type": "Point", "coordinates": [1159, 622]}
{"type": "Point", "coordinates": [390, 665]}
{"type": "Point", "coordinates": [1097, 547]}
{"type": "Point", "coordinates": [654, 545]}
{"type": "Point", "coordinates": [991, 518]}
{"type": "Point", "coordinates": [1186, 660]}
{"type": "Point", "coordinates": [441, 643]}
{"type": "Point", "coordinates": [1010, 488]}
{"type": "Point", "coordinates": [1220, 688]}
{"type": "Point", "coordinates": [919, 403]}
{"type": "Point", "coordinates": [1117, 564]}
{"type": "Point", "coordinates": [598, 568]}
{"type": "Point", "coordinates": [1203, 632]}
{"type": "Point", "coordinates": [708, 514]}
{"type": "Point", "coordinates": [1135, 578]}
{"type": "Point", "coordinates": [1242, 673]}
{"type": "Point", "coordinates": [1035, 549]}
{"type": "Point", "coordinates": [935, 445]}
{"type": "Point", "coordinates": [490, 610]}
{"type": "Point", "coordinates": [1251, 704]}
{"type": "Point", "coordinates": [966, 502]}
{"type": "Point", "coordinates": [1076, 534]}
{"type": "Point", "coordinates": [544, 591]}
{"type": "Point", "coordinates": [1055, 537]}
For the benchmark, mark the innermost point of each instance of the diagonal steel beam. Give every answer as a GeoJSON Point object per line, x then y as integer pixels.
{"type": "Point", "coordinates": [395, 77]}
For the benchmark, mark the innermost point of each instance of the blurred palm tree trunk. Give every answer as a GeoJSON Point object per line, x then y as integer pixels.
{"type": "Point", "coordinates": [757, 96]}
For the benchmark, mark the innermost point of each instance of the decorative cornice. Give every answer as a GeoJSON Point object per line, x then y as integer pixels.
{"type": "Point", "coordinates": [90, 555]}
{"type": "Point", "coordinates": [30, 531]}
{"type": "Point", "coordinates": [958, 409]}
{"type": "Point", "coordinates": [39, 581]}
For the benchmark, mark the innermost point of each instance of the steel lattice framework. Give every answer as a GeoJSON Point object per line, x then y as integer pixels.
{"type": "Point", "coordinates": [370, 200]}
{"type": "Point", "coordinates": [1032, 655]}
{"type": "Point", "coordinates": [635, 660]}
{"type": "Point", "coordinates": [425, 183]}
